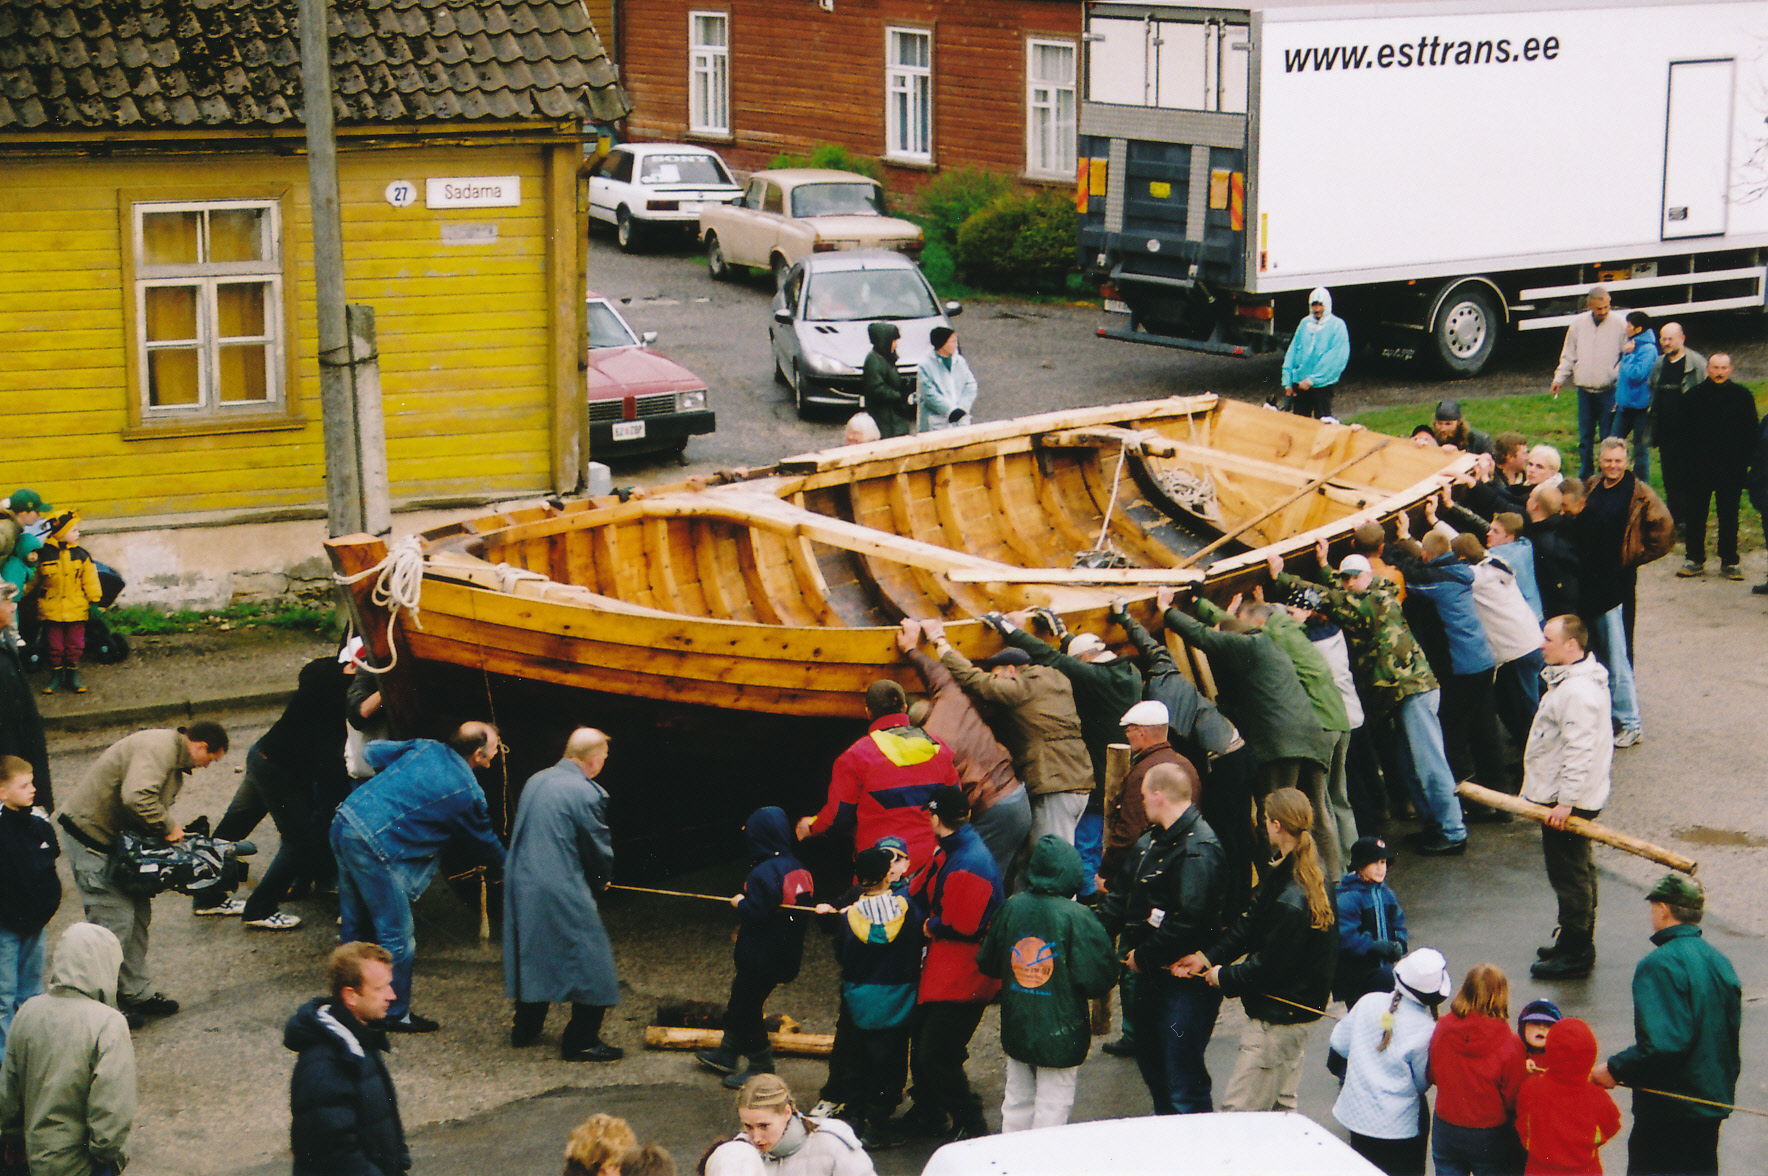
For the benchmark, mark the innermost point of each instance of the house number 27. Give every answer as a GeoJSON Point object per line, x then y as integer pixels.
{"type": "Point", "coordinates": [401, 193]}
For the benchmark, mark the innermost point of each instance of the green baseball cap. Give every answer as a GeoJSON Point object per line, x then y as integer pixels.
{"type": "Point", "coordinates": [23, 499]}
{"type": "Point", "coordinates": [1678, 890]}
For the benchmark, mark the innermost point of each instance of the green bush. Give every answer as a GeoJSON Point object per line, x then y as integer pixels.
{"type": "Point", "coordinates": [1023, 242]}
{"type": "Point", "coordinates": [832, 155]}
{"type": "Point", "coordinates": [954, 197]}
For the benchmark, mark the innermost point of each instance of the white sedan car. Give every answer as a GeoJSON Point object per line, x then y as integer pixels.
{"type": "Point", "coordinates": [786, 214]}
{"type": "Point", "coordinates": [639, 187]}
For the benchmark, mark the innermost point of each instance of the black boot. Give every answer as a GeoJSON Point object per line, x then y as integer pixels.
{"type": "Point", "coordinates": [759, 1063]}
{"type": "Point", "coordinates": [881, 1134]}
{"type": "Point", "coordinates": [530, 1020]}
{"type": "Point", "coordinates": [582, 1039]}
{"type": "Point", "coordinates": [1548, 951]}
{"type": "Point", "coordinates": [1574, 960]}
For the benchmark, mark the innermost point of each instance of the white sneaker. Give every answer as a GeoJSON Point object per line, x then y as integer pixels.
{"type": "Point", "coordinates": [277, 922]}
{"type": "Point", "coordinates": [1629, 737]}
{"type": "Point", "coordinates": [233, 908]}
{"type": "Point", "coordinates": [825, 1109]}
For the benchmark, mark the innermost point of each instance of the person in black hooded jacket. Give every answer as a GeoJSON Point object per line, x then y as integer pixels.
{"type": "Point", "coordinates": [770, 945]}
{"type": "Point", "coordinates": [887, 393]}
{"type": "Point", "coordinates": [345, 1115]}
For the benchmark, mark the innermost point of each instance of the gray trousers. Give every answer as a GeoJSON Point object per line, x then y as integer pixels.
{"type": "Point", "coordinates": [1004, 827]}
{"type": "Point", "coordinates": [123, 915]}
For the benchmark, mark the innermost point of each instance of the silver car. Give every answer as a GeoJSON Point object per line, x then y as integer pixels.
{"type": "Point", "coordinates": [822, 310]}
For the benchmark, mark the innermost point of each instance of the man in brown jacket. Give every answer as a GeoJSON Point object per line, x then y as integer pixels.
{"type": "Point", "coordinates": [1038, 722]}
{"type": "Point", "coordinates": [1145, 729]}
{"type": "Point", "coordinates": [1000, 810]}
{"type": "Point", "coordinates": [133, 787]}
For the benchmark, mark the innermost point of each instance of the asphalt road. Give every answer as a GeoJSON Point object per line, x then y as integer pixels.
{"type": "Point", "coordinates": [1027, 358]}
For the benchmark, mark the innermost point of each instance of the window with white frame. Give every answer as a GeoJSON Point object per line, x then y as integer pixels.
{"type": "Point", "coordinates": [1049, 108]}
{"type": "Point", "coordinates": [709, 73]}
{"type": "Point", "coordinates": [908, 84]}
{"type": "Point", "coordinates": [208, 308]}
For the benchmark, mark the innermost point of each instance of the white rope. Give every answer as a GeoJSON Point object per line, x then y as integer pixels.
{"type": "Point", "coordinates": [1123, 454]}
{"type": "Point", "coordinates": [508, 577]}
{"type": "Point", "coordinates": [397, 588]}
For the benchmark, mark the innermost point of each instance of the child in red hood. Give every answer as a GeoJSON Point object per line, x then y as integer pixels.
{"type": "Point", "coordinates": [1562, 1117]}
{"type": "Point", "coordinates": [1476, 1062]}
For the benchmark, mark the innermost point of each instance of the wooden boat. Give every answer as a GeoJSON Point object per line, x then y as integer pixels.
{"type": "Point", "coordinates": [778, 591]}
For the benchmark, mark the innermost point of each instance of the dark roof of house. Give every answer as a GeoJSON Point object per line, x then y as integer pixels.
{"type": "Point", "coordinates": [153, 64]}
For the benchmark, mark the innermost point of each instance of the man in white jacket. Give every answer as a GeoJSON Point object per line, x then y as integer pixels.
{"type": "Point", "coordinates": [1567, 766]}
{"type": "Point", "coordinates": [1591, 360]}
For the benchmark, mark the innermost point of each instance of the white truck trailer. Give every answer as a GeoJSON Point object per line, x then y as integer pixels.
{"type": "Point", "coordinates": [1450, 170]}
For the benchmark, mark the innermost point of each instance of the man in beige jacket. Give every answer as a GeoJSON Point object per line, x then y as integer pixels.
{"type": "Point", "coordinates": [1591, 360]}
{"type": "Point", "coordinates": [132, 787]}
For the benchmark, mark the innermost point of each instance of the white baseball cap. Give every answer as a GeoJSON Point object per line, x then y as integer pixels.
{"type": "Point", "coordinates": [1355, 565]}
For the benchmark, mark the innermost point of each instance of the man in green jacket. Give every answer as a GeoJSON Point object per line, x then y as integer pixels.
{"type": "Point", "coordinates": [886, 393]}
{"type": "Point", "coordinates": [1687, 1016]}
{"type": "Point", "coordinates": [1052, 955]}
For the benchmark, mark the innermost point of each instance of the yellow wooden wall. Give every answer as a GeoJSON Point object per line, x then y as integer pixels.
{"type": "Point", "coordinates": [463, 331]}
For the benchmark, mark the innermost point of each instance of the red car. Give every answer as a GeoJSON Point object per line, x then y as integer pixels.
{"type": "Point", "coordinates": [639, 401]}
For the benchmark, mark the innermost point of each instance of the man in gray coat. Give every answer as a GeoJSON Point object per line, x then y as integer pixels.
{"type": "Point", "coordinates": [67, 1087]}
{"type": "Point", "coordinates": [554, 945]}
{"type": "Point", "coordinates": [1679, 370]}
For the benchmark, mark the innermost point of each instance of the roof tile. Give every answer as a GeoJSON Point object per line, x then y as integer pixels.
{"type": "Point", "coordinates": [70, 64]}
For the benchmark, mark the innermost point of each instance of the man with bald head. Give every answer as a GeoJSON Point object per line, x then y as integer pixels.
{"type": "Point", "coordinates": [388, 837]}
{"type": "Point", "coordinates": [555, 949]}
{"type": "Point", "coordinates": [1678, 371]}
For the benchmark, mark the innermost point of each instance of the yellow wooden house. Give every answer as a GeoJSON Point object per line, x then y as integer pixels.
{"type": "Point", "coordinates": [156, 283]}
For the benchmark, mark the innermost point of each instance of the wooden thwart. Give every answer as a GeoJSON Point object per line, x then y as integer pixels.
{"type": "Point", "coordinates": [800, 1045]}
{"type": "Point", "coordinates": [1578, 825]}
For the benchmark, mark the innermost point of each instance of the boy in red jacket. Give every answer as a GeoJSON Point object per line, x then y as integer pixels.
{"type": "Point", "coordinates": [1562, 1117]}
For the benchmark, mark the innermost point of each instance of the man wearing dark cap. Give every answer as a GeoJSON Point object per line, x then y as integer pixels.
{"type": "Point", "coordinates": [962, 891]}
{"type": "Point", "coordinates": [1687, 1015]}
{"type": "Point", "coordinates": [1451, 428]}
{"type": "Point", "coordinates": [946, 388]}
{"type": "Point", "coordinates": [1035, 716]}
{"type": "Point", "coordinates": [879, 784]}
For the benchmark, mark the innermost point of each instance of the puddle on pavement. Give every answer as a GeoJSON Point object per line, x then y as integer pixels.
{"type": "Point", "coordinates": [1705, 835]}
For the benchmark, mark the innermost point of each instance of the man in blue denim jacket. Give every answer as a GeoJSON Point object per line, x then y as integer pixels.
{"type": "Point", "coordinates": [388, 837]}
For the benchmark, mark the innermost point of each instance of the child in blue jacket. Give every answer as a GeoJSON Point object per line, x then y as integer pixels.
{"type": "Point", "coordinates": [770, 945]}
{"type": "Point", "coordinates": [878, 943]}
{"type": "Point", "coordinates": [1371, 925]}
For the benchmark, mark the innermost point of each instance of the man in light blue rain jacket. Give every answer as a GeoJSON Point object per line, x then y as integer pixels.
{"type": "Point", "coordinates": [1316, 358]}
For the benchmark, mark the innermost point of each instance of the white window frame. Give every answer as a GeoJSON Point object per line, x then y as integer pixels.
{"type": "Point", "coordinates": [1050, 142]}
{"type": "Point", "coordinates": [709, 76]}
{"type": "Point", "coordinates": [207, 277]}
{"type": "Point", "coordinates": [908, 97]}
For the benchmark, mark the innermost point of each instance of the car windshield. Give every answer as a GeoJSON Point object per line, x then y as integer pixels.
{"type": "Point", "coordinates": [689, 168]}
{"type": "Point", "coordinates": [845, 296]}
{"type": "Point", "coordinates": [836, 200]}
{"type": "Point", "coordinates": [607, 328]}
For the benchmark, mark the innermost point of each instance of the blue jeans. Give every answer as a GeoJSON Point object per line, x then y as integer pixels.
{"type": "Point", "coordinates": [1475, 1151]}
{"type": "Point", "coordinates": [1434, 796]}
{"type": "Point", "coordinates": [1174, 1022]}
{"type": "Point", "coordinates": [375, 910]}
{"type": "Point", "coordinates": [1519, 694]}
{"type": "Point", "coordinates": [1089, 839]}
{"type": "Point", "coordinates": [21, 974]}
{"type": "Point", "coordinates": [1609, 643]}
{"type": "Point", "coordinates": [1595, 407]}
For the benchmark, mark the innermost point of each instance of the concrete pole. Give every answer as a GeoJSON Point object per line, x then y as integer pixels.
{"type": "Point", "coordinates": [343, 489]}
{"type": "Point", "coordinates": [371, 429]}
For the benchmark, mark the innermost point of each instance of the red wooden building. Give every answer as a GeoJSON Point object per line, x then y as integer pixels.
{"type": "Point", "coordinates": [924, 85]}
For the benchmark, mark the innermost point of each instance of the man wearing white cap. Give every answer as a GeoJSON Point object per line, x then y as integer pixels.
{"type": "Point", "coordinates": [296, 762]}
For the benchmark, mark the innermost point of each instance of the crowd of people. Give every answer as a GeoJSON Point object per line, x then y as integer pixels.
{"type": "Point", "coordinates": [1063, 819]}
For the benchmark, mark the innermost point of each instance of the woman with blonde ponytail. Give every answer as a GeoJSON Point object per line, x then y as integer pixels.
{"type": "Point", "coordinates": [1288, 937]}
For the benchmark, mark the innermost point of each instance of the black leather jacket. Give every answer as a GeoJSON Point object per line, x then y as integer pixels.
{"type": "Point", "coordinates": [1285, 956]}
{"type": "Point", "coordinates": [1167, 900]}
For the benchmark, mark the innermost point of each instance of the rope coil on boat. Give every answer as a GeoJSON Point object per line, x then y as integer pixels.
{"type": "Point", "coordinates": [398, 588]}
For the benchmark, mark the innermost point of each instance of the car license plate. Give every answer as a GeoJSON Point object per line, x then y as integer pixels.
{"type": "Point", "coordinates": [691, 205]}
{"type": "Point", "coordinates": [629, 430]}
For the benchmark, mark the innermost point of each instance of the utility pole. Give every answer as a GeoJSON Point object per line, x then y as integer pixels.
{"type": "Point", "coordinates": [348, 489]}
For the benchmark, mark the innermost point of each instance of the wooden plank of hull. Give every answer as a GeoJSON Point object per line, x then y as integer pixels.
{"type": "Point", "coordinates": [1015, 530]}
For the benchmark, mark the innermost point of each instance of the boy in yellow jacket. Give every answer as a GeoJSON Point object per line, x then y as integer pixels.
{"type": "Point", "coordinates": [67, 587]}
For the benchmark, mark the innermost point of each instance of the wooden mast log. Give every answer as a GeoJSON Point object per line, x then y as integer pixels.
{"type": "Point", "coordinates": [801, 1045]}
{"type": "Point", "coordinates": [1578, 825]}
{"type": "Point", "coordinates": [1117, 766]}
{"type": "Point", "coordinates": [1110, 436]}
{"type": "Point", "coordinates": [352, 555]}
{"type": "Point", "coordinates": [1287, 501]}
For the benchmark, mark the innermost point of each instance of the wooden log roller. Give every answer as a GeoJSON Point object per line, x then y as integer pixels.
{"type": "Point", "coordinates": [1578, 825]}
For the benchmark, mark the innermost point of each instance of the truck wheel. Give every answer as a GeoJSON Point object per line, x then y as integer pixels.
{"type": "Point", "coordinates": [715, 263]}
{"type": "Point", "coordinates": [1465, 332]}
